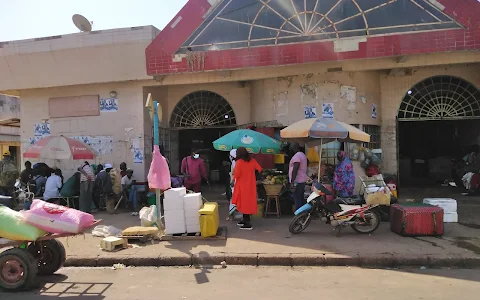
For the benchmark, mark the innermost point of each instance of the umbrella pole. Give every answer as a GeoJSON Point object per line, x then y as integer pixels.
{"type": "Point", "coordinates": [320, 159]}
{"type": "Point", "coordinates": [156, 141]}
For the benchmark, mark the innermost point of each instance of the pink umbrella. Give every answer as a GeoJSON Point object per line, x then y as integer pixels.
{"type": "Point", "coordinates": [59, 147]}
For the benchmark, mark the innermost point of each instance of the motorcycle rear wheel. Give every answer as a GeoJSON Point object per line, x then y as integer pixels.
{"type": "Point", "coordinates": [373, 218]}
{"type": "Point", "coordinates": [300, 223]}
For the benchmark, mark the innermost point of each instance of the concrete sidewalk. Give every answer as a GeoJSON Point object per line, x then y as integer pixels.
{"type": "Point", "coordinates": [270, 243]}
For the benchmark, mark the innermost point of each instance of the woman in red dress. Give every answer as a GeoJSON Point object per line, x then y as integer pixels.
{"type": "Point", "coordinates": [245, 192]}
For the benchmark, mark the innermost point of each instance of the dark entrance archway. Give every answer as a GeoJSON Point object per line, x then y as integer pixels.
{"type": "Point", "coordinates": [197, 120]}
{"type": "Point", "coordinates": [438, 119]}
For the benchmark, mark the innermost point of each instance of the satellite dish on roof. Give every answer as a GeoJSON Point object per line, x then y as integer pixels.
{"type": "Point", "coordinates": [82, 23]}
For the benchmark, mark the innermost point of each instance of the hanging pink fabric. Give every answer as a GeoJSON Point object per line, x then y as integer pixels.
{"type": "Point", "coordinates": [159, 174]}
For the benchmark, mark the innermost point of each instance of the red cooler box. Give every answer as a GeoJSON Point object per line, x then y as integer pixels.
{"type": "Point", "coordinates": [416, 220]}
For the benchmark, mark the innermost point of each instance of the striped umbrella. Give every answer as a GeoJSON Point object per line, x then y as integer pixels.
{"type": "Point", "coordinates": [318, 131]}
{"type": "Point", "coordinates": [60, 148]}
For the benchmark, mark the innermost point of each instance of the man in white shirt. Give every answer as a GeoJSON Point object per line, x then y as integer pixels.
{"type": "Point", "coordinates": [53, 185]}
{"type": "Point", "coordinates": [128, 186]}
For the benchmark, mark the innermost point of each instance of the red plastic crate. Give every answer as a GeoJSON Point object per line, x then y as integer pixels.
{"type": "Point", "coordinates": [416, 220]}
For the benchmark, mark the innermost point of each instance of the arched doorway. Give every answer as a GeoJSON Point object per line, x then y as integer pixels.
{"type": "Point", "coordinates": [202, 109]}
{"type": "Point", "coordinates": [438, 119]}
{"type": "Point", "coordinates": [197, 120]}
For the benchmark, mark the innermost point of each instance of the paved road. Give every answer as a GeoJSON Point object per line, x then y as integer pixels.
{"type": "Point", "coordinates": [254, 283]}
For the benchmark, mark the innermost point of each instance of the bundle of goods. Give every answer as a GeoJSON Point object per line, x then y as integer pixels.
{"type": "Point", "coordinates": [116, 181]}
{"type": "Point", "coordinates": [14, 227]}
{"type": "Point", "coordinates": [416, 220]}
{"type": "Point", "coordinates": [449, 207]}
{"type": "Point", "coordinates": [370, 162]}
{"type": "Point", "coordinates": [375, 190]}
{"type": "Point", "coordinates": [55, 218]}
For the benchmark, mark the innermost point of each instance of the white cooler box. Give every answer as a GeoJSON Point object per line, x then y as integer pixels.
{"type": "Point", "coordinates": [192, 202]}
{"type": "Point", "coordinates": [448, 205]}
{"type": "Point", "coordinates": [173, 199]}
{"type": "Point", "coordinates": [450, 217]}
{"type": "Point", "coordinates": [175, 222]}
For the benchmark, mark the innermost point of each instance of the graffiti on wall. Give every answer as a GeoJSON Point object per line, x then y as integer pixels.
{"type": "Point", "coordinates": [281, 104]}
{"type": "Point", "coordinates": [9, 107]}
{"type": "Point", "coordinates": [348, 97]}
{"type": "Point", "coordinates": [309, 93]}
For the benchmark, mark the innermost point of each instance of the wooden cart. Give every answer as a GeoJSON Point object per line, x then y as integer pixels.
{"type": "Point", "coordinates": [24, 260]}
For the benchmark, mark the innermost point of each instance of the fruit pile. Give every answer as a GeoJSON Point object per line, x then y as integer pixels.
{"type": "Point", "coordinates": [276, 179]}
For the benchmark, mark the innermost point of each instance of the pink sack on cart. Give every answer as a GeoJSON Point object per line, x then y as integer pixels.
{"type": "Point", "coordinates": [55, 218]}
{"type": "Point", "coordinates": [159, 174]}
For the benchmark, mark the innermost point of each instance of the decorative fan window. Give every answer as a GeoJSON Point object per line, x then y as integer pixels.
{"type": "Point", "coordinates": [251, 23]}
{"type": "Point", "coordinates": [202, 109]}
{"type": "Point", "coordinates": [440, 98]}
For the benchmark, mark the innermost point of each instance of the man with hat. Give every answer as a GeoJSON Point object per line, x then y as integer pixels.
{"type": "Point", "coordinates": [8, 174]}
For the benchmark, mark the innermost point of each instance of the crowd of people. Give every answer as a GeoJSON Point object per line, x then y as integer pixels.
{"type": "Point", "coordinates": [100, 185]}
{"type": "Point", "coordinates": [245, 172]}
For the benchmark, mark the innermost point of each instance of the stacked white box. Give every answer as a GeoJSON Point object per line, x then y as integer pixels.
{"type": "Point", "coordinates": [173, 199]}
{"type": "Point", "coordinates": [450, 218]}
{"type": "Point", "coordinates": [174, 212]}
{"type": "Point", "coordinates": [192, 204]}
{"type": "Point", "coordinates": [449, 206]}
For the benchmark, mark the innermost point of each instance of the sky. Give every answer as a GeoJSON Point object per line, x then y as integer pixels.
{"type": "Point", "coordinates": [26, 19]}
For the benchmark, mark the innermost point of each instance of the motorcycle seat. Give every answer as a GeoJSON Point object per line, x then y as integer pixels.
{"type": "Point", "coordinates": [353, 200]}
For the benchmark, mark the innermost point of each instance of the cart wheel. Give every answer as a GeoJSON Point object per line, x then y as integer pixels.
{"type": "Point", "coordinates": [50, 256]}
{"type": "Point", "coordinates": [18, 270]}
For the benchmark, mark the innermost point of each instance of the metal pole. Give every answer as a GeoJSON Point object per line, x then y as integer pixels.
{"type": "Point", "coordinates": [320, 159]}
{"type": "Point", "coordinates": [156, 138]}
{"type": "Point", "coordinates": [156, 141]}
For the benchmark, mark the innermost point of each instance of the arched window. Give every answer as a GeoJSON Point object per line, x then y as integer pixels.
{"type": "Point", "coordinates": [440, 98]}
{"type": "Point", "coordinates": [202, 109]}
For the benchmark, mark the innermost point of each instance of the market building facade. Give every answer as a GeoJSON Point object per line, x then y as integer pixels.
{"type": "Point", "coordinates": [402, 70]}
{"type": "Point", "coordinates": [405, 71]}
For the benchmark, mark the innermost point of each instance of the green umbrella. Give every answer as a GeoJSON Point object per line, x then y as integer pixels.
{"type": "Point", "coordinates": [254, 142]}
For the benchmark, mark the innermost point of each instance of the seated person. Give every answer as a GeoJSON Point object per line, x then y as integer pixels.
{"type": "Point", "coordinates": [40, 181]}
{"type": "Point", "coordinates": [128, 187]}
{"type": "Point", "coordinates": [53, 185]}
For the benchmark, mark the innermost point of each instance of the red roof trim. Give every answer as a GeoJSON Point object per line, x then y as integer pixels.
{"type": "Point", "coordinates": [160, 53]}
{"type": "Point", "coordinates": [171, 38]}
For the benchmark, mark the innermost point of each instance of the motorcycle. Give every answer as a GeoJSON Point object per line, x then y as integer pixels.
{"type": "Point", "coordinates": [362, 219]}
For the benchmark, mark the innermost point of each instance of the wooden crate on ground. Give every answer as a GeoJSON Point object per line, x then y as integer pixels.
{"type": "Point", "coordinates": [221, 235]}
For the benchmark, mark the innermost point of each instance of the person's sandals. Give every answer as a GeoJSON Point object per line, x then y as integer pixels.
{"type": "Point", "coordinates": [246, 227]}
